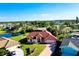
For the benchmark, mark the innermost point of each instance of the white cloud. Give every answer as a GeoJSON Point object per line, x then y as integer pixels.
{"type": "Point", "coordinates": [44, 15]}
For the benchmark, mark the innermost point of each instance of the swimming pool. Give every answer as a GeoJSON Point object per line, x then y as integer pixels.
{"type": "Point", "coordinates": [68, 51]}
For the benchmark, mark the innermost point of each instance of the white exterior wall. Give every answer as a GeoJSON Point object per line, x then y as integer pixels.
{"type": "Point", "coordinates": [48, 41]}
{"type": "Point", "coordinates": [73, 46]}
{"type": "Point", "coordinates": [34, 40]}
{"type": "Point", "coordinates": [28, 40]}
{"type": "Point", "coordinates": [12, 48]}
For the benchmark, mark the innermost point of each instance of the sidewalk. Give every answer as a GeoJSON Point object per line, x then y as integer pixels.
{"type": "Point", "coordinates": [46, 51]}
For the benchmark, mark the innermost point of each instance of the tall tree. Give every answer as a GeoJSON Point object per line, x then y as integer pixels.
{"type": "Point", "coordinates": [76, 20]}
{"type": "Point", "coordinates": [23, 25]}
{"type": "Point", "coordinates": [53, 30]}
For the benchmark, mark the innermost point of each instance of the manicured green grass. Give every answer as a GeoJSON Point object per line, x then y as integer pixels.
{"type": "Point", "coordinates": [38, 48]}
{"type": "Point", "coordinates": [17, 38]}
{"type": "Point", "coordinates": [2, 32]}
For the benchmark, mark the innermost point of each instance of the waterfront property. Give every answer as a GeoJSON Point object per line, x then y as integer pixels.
{"type": "Point", "coordinates": [38, 48]}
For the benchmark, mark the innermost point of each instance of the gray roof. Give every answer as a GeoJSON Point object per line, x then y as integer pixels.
{"type": "Point", "coordinates": [76, 43]}
{"type": "Point", "coordinates": [74, 40]}
{"type": "Point", "coordinates": [65, 42]}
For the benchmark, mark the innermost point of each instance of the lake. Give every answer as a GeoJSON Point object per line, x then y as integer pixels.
{"type": "Point", "coordinates": [9, 35]}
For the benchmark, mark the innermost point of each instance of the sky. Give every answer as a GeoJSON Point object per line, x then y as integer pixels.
{"type": "Point", "coordinates": [38, 11]}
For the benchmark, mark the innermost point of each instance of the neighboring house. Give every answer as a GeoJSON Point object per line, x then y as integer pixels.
{"type": "Point", "coordinates": [9, 44]}
{"type": "Point", "coordinates": [74, 33]}
{"type": "Point", "coordinates": [41, 36]}
{"type": "Point", "coordinates": [70, 46]}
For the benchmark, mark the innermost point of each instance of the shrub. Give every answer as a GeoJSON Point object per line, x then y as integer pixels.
{"type": "Point", "coordinates": [23, 41]}
{"type": "Point", "coordinates": [52, 30]}
{"type": "Point", "coordinates": [22, 32]}
{"type": "Point", "coordinates": [62, 36]}
{"type": "Point", "coordinates": [3, 51]}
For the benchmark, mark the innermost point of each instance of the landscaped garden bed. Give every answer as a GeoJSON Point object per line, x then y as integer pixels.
{"type": "Point", "coordinates": [38, 48]}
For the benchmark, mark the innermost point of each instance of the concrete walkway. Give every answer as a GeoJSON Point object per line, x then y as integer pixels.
{"type": "Point", "coordinates": [47, 51]}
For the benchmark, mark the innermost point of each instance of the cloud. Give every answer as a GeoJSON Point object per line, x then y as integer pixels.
{"type": "Point", "coordinates": [44, 15]}
{"type": "Point", "coordinates": [41, 14]}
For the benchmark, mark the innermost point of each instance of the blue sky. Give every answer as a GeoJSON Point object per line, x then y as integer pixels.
{"type": "Point", "coordinates": [38, 11]}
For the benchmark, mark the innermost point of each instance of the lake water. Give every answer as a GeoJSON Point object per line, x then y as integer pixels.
{"type": "Point", "coordinates": [6, 35]}
{"type": "Point", "coordinates": [9, 35]}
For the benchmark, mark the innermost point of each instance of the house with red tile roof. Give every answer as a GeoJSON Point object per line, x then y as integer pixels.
{"type": "Point", "coordinates": [8, 44]}
{"type": "Point", "coordinates": [41, 36]}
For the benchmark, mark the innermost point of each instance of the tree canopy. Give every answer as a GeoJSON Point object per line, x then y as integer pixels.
{"type": "Point", "coordinates": [3, 51]}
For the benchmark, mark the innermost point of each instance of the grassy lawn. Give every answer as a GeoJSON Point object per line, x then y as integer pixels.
{"type": "Point", "coordinates": [17, 38]}
{"type": "Point", "coordinates": [38, 47]}
{"type": "Point", "coordinates": [2, 32]}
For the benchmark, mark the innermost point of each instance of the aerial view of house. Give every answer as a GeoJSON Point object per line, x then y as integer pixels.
{"type": "Point", "coordinates": [39, 29]}
{"type": "Point", "coordinates": [41, 36]}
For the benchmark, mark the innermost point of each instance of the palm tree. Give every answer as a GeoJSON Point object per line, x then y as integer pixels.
{"type": "Point", "coordinates": [76, 20]}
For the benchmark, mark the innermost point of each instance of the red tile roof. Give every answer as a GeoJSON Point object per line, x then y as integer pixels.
{"type": "Point", "coordinates": [44, 34]}
{"type": "Point", "coordinates": [11, 43]}
{"type": "Point", "coordinates": [7, 43]}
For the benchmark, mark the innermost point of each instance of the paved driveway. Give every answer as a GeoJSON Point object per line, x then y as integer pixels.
{"type": "Point", "coordinates": [47, 51]}
{"type": "Point", "coordinates": [19, 52]}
